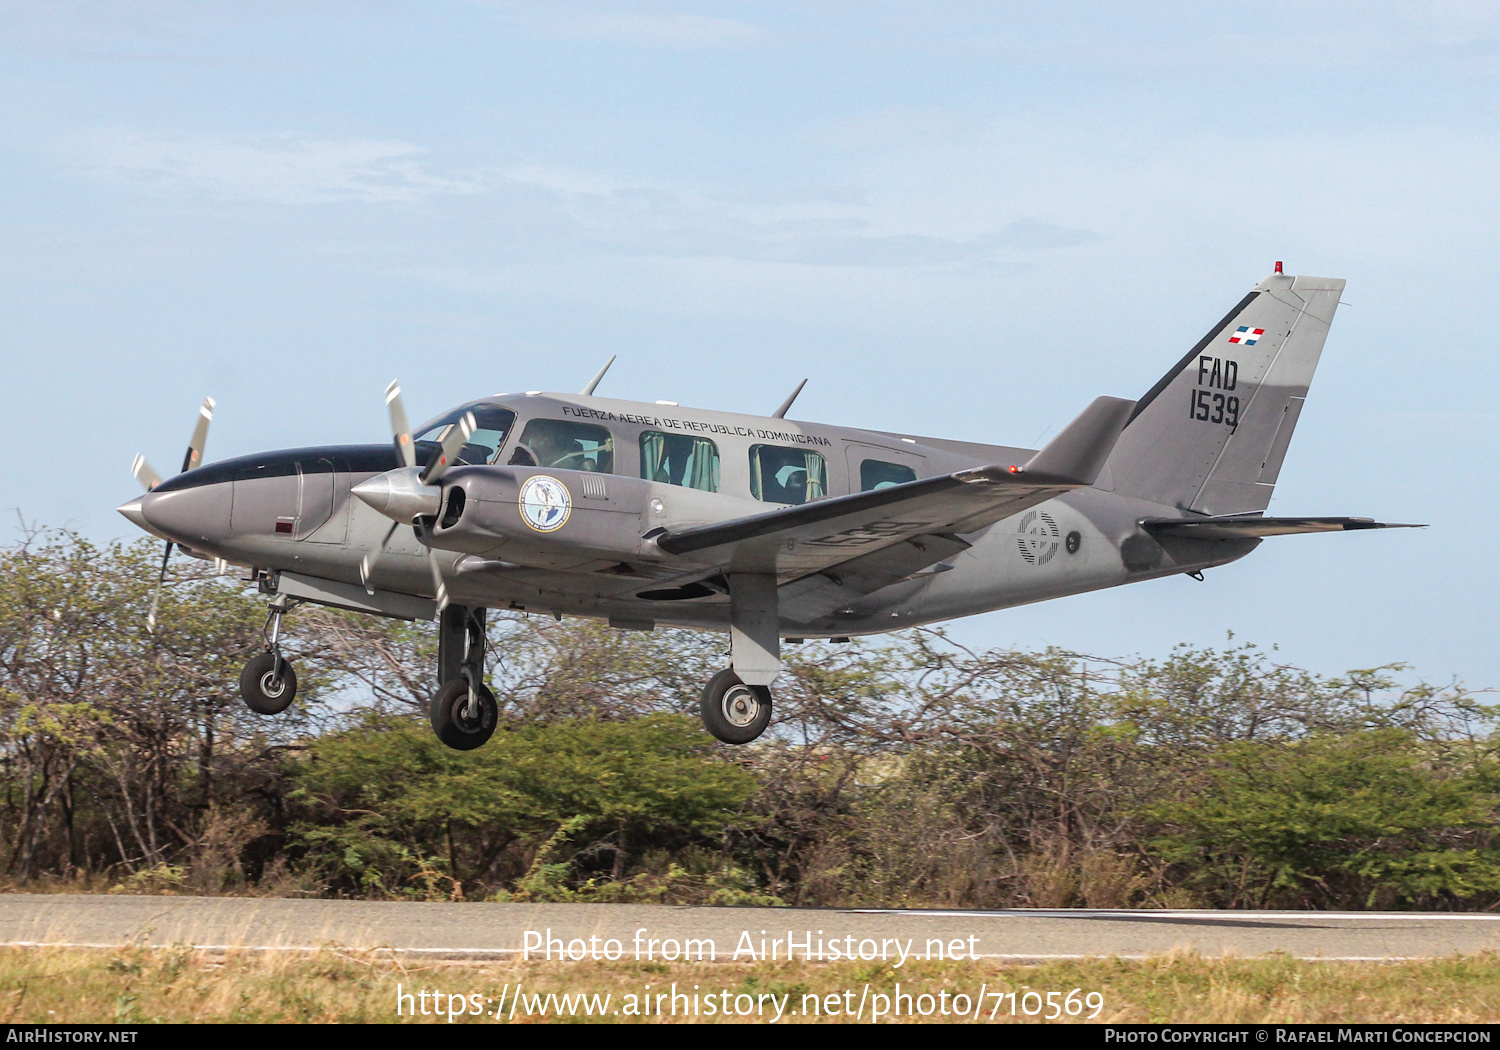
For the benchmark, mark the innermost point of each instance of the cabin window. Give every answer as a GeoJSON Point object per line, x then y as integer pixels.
{"type": "Point", "coordinates": [786, 475]}
{"type": "Point", "coordinates": [678, 459]}
{"type": "Point", "coordinates": [491, 424]}
{"type": "Point", "coordinates": [565, 445]}
{"type": "Point", "coordinates": [873, 474]}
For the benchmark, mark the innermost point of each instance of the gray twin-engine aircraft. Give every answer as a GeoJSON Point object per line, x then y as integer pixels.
{"type": "Point", "coordinates": [655, 513]}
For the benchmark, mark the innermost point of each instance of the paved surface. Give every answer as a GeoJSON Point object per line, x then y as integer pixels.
{"type": "Point", "coordinates": [501, 930]}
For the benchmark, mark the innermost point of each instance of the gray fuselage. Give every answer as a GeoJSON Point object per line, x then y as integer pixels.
{"type": "Point", "coordinates": [291, 514]}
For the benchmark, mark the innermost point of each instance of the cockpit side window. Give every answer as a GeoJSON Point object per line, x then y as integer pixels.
{"type": "Point", "coordinates": [492, 424]}
{"type": "Point", "coordinates": [678, 459]}
{"type": "Point", "coordinates": [565, 445]}
{"type": "Point", "coordinates": [786, 475]}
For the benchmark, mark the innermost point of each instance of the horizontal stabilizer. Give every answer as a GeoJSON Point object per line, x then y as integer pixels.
{"type": "Point", "coordinates": [1254, 527]}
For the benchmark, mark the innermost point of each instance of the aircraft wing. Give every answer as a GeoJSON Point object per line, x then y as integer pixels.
{"type": "Point", "coordinates": [1254, 526]}
{"type": "Point", "coordinates": [924, 516]}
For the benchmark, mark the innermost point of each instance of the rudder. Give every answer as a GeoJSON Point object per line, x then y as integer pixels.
{"type": "Point", "coordinates": [1210, 436]}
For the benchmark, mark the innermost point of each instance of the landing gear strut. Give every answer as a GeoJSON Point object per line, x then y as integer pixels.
{"type": "Point", "coordinates": [268, 683]}
{"type": "Point", "coordinates": [736, 702]}
{"type": "Point", "coordinates": [464, 711]}
{"type": "Point", "coordinates": [734, 712]}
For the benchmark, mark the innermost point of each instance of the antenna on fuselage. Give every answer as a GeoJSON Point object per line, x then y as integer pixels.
{"type": "Point", "coordinates": [780, 413]}
{"type": "Point", "coordinates": [586, 391]}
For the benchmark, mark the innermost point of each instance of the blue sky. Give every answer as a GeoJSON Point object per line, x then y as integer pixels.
{"type": "Point", "coordinates": [956, 219]}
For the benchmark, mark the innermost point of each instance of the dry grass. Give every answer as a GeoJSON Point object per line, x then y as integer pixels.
{"type": "Point", "coordinates": [137, 985]}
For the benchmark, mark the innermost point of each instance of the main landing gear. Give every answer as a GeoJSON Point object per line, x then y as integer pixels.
{"type": "Point", "coordinates": [464, 711]}
{"type": "Point", "coordinates": [736, 702]}
{"type": "Point", "coordinates": [735, 705]}
{"type": "Point", "coordinates": [734, 712]}
{"type": "Point", "coordinates": [268, 683]}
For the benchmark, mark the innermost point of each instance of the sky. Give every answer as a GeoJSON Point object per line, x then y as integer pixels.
{"type": "Point", "coordinates": [957, 219]}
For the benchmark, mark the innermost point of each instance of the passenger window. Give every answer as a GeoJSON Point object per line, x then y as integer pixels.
{"type": "Point", "coordinates": [566, 446]}
{"type": "Point", "coordinates": [491, 424]}
{"type": "Point", "coordinates": [873, 474]}
{"type": "Point", "coordinates": [786, 475]}
{"type": "Point", "coordinates": [677, 459]}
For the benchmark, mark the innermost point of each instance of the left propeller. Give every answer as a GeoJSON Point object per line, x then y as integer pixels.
{"type": "Point", "coordinates": [150, 479]}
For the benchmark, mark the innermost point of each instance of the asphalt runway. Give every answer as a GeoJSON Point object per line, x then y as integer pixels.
{"type": "Point", "coordinates": [667, 933]}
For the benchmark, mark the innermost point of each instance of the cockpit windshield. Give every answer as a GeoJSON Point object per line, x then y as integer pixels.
{"type": "Point", "coordinates": [492, 424]}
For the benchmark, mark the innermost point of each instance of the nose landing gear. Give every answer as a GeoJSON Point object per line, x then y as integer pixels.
{"type": "Point", "coordinates": [464, 711]}
{"type": "Point", "coordinates": [268, 683]}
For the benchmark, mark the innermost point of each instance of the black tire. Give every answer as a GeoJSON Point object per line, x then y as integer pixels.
{"type": "Point", "coordinates": [263, 691]}
{"type": "Point", "coordinates": [448, 721]}
{"type": "Point", "coordinates": [734, 712]}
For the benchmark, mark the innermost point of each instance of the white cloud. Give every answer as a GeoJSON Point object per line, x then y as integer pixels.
{"type": "Point", "coordinates": [813, 226]}
{"type": "Point", "coordinates": [280, 169]}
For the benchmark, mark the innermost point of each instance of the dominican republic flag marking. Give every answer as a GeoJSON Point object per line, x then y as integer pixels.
{"type": "Point", "coordinates": [1247, 335]}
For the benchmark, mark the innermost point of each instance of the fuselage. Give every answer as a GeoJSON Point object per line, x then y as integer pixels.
{"type": "Point", "coordinates": [631, 471]}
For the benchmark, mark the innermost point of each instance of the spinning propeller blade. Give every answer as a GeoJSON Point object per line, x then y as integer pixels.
{"type": "Point", "coordinates": [400, 429]}
{"type": "Point", "coordinates": [194, 455]}
{"type": "Point", "coordinates": [454, 439]}
{"type": "Point", "coordinates": [371, 558]}
{"type": "Point", "coordinates": [367, 563]}
{"type": "Point", "coordinates": [440, 589]}
{"type": "Point", "coordinates": [145, 473]}
{"type": "Point", "coordinates": [452, 442]}
{"type": "Point", "coordinates": [156, 592]}
{"type": "Point", "coordinates": [150, 479]}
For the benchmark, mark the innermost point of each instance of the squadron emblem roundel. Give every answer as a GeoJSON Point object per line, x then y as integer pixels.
{"type": "Point", "coordinates": [545, 503]}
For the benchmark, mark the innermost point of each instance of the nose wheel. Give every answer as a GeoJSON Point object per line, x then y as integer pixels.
{"type": "Point", "coordinates": [268, 683]}
{"type": "Point", "coordinates": [734, 712]}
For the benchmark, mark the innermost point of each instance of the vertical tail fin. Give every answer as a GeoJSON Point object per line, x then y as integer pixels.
{"type": "Point", "coordinates": [1210, 436]}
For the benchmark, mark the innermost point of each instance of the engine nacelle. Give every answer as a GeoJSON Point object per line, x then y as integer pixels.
{"type": "Point", "coordinates": [553, 519]}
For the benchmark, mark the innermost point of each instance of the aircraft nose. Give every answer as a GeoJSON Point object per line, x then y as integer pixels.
{"type": "Point", "coordinates": [192, 516]}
